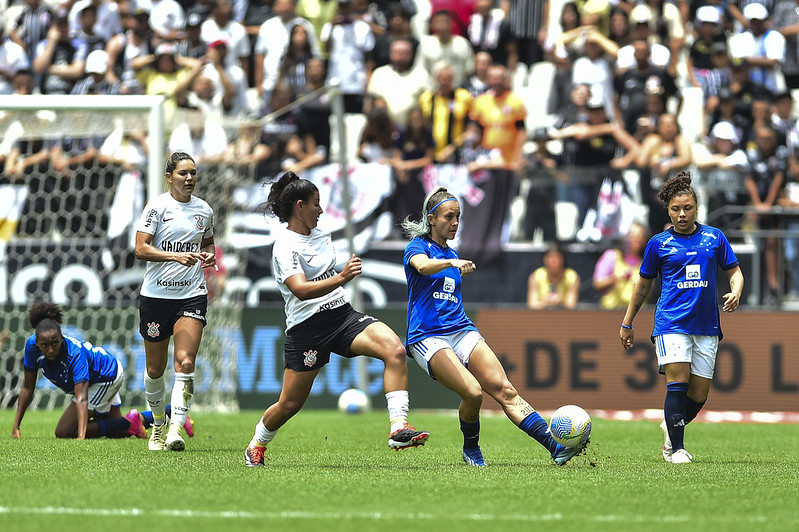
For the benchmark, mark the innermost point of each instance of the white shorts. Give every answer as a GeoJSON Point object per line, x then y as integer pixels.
{"type": "Point", "coordinates": [104, 395]}
{"type": "Point", "coordinates": [462, 343]}
{"type": "Point", "coordinates": [699, 351]}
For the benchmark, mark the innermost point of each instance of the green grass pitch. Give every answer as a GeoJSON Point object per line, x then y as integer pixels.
{"type": "Point", "coordinates": [331, 471]}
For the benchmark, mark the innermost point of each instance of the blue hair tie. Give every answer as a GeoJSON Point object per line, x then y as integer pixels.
{"type": "Point", "coordinates": [439, 203]}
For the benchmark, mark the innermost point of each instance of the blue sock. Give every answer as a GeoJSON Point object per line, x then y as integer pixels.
{"type": "Point", "coordinates": [148, 416]}
{"type": "Point", "coordinates": [101, 428]}
{"type": "Point", "coordinates": [471, 434]}
{"type": "Point", "coordinates": [111, 426]}
{"type": "Point", "coordinates": [535, 427]}
{"type": "Point", "coordinates": [674, 412]}
{"type": "Point", "coordinates": [692, 408]}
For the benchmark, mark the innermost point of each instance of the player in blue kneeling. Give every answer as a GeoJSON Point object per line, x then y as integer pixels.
{"type": "Point", "coordinates": [444, 341]}
{"type": "Point", "coordinates": [92, 375]}
{"type": "Point", "coordinates": [687, 329]}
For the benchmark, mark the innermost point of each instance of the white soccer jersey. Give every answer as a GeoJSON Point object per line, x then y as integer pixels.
{"type": "Point", "coordinates": [178, 227]}
{"type": "Point", "coordinates": [314, 256]}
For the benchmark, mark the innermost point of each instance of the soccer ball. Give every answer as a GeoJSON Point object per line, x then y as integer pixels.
{"type": "Point", "coordinates": [570, 425]}
{"type": "Point", "coordinates": [353, 401]}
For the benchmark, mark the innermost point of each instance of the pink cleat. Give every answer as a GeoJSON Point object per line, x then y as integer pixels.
{"type": "Point", "coordinates": [189, 427]}
{"type": "Point", "coordinates": [136, 427]}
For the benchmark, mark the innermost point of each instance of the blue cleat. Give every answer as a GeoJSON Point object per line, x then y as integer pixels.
{"type": "Point", "coordinates": [563, 454]}
{"type": "Point", "coordinates": [474, 457]}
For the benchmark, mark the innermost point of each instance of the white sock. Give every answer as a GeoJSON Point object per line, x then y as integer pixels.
{"type": "Point", "coordinates": [397, 403]}
{"type": "Point", "coordinates": [262, 434]}
{"type": "Point", "coordinates": [182, 393]}
{"type": "Point", "coordinates": [155, 391]}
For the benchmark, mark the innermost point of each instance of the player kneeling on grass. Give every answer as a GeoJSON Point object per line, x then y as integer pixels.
{"type": "Point", "coordinates": [445, 342]}
{"type": "Point", "coordinates": [320, 319]}
{"type": "Point", "coordinates": [687, 329]}
{"type": "Point", "coordinates": [90, 374]}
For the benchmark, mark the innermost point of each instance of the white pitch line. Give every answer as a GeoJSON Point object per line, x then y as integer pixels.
{"type": "Point", "coordinates": [375, 516]}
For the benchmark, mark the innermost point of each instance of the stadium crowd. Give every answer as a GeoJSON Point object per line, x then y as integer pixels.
{"type": "Point", "coordinates": [586, 107]}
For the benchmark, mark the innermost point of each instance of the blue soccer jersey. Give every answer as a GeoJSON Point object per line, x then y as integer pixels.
{"type": "Point", "coordinates": [77, 362]}
{"type": "Point", "coordinates": [435, 305]}
{"type": "Point", "coordinates": [688, 265]}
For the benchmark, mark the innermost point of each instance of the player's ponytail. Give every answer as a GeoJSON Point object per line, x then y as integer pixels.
{"type": "Point", "coordinates": [431, 202]}
{"type": "Point", "coordinates": [45, 317]}
{"type": "Point", "coordinates": [175, 158]}
{"type": "Point", "coordinates": [679, 185]}
{"type": "Point", "coordinates": [285, 192]}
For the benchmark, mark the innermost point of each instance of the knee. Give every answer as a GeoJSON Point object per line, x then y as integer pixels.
{"type": "Point", "coordinates": [186, 365]}
{"type": "Point", "coordinates": [290, 407]}
{"type": "Point", "coordinates": [63, 433]}
{"type": "Point", "coordinates": [395, 354]}
{"type": "Point", "coordinates": [505, 393]}
{"type": "Point", "coordinates": [473, 395]}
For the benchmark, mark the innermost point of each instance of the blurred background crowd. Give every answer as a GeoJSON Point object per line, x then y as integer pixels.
{"type": "Point", "coordinates": [579, 109]}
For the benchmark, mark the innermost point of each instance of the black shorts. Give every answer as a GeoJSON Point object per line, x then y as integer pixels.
{"type": "Point", "coordinates": [309, 344]}
{"type": "Point", "coordinates": [157, 317]}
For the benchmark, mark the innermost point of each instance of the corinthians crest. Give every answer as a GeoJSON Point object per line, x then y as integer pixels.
{"type": "Point", "coordinates": [152, 329]}
{"type": "Point", "coordinates": [310, 358]}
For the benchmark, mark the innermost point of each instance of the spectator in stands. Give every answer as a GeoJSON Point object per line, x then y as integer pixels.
{"type": "Point", "coordinates": [60, 60]}
{"type": "Point", "coordinates": [318, 13]}
{"type": "Point", "coordinates": [414, 150]}
{"type": "Point", "coordinates": [633, 85]}
{"type": "Point", "coordinates": [348, 40]}
{"type": "Point", "coordinates": [95, 82]}
{"type": "Point", "coordinates": [379, 137]}
{"type": "Point", "coordinates": [202, 136]}
{"type": "Point", "coordinates": [167, 74]}
{"type": "Point", "coordinates": [399, 27]}
{"type": "Point", "coordinates": [553, 285]}
{"type": "Point", "coordinates": [726, 110]}
{"type": "Point", "coordinates": [12, 60]}
{"type": "Point", "coordinates": [107, 21]}
{"type": "Point", "coordinates": [500, 114]}
{"type": "Point", "coordinates": [167, 19]}
{"type": "Point", "coordinates": [316, 112]}
{"type": "Point", "coordinates": [229, 81]}
{"type": "Point", "coordinates": [789, 198]}
{"type": "Point", "coordinates": [662, 154]}
{"type": "Point", "coordinates": [563, 56]}
{"type": "Point", "coordinates": [446, 109]}
{"type": "Point", "coordinates": [659, 56]}
{"type": "Point", "coordinates": [192, 45]}
{"type": "Point", "coordinates": [489, 31]}
{"type": "Point", "coordinates": [764, 181]}
{"type": "Point", "coordinates": [375, 16]}
{"type": "Point", "coordinates": [761, 116]}
{"type": "Point", "coordinates": [399, 84]}
{"type": "Point", "coordinates": [763, 48]}
{"type": "Point", "coordinates": [655, 106]}
{"type": "Point", "coordinates": [136, 41]}
{"type": "Point", "coordinates": [273, 40]}
{"type": "Point", "coordinates": [668, 27]}
{"type": "Point", "coordinates": [699, 61]}
{"type": "Point", "coordinates": [289, 145]}
{"type": "Point", "coordinates": [595, 68]}
{"type": "Point", "coordinates": [443, 46]}
{"type": "Point", "coordinates": [620, 31]}
{"type": "Point", "coordinates": [785, 19]}
{"type": "Point", "coordinates": [616, 271]}
{"type": "Point", "coordinates": [221, 27]}
{"type": "Point", "coordinates": [528, 24]}
{"type": "Point", "coordinates": [295, 60]}
{"type": "Point", "coordinates": [460, 11]}
{"type": "Point", "coordinates": [538, 189]}
{"type": "Point", "coordinates": [32, 26]}
{"type": "Point", "coordinates": [743, 89]}
{"type": "Point", "coordinates": [477, 83]}
{"type": "Point", "coordinates": [783, 119]}
{"type": "Point", "coordinates": [202, 8]}
{"type": "Point", "coordinates": [87, 18]}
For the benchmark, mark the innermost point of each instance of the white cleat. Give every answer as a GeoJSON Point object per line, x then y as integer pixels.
{"type": "Point", "coordinates": [667, 451]}
{"type": "Point", "coordinates": [174, 438]}
{"type": "Point", "coordinates": [681, 456]}
{"type": "Point", "coordinates": [158, 436]}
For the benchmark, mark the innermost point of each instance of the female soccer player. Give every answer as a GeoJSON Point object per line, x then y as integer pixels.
{"type": "Point", "coordinates": [90, 374]}
{"type": "Point", "coordinates": [320, 319]}
{"type": "Point", "coordinates": [687, 329]}
{"type": "Point", "coordinates": [175, 235]}
{"type": "Point", "coordinates": [445, 342]}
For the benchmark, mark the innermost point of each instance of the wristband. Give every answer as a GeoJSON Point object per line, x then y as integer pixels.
{"type": "Point", "coordinates": [623, 326]}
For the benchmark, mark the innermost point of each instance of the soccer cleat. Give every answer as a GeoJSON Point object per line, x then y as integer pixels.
{"type": "Point", "coordinates": [667, 451]}
{"type": "Point", "coordinates": [189, 427]}
{"type": "Point", "coordinates": [407, 437]}
{"type": "Point", "coordinates": [136, 427]}
{"type": "Point", "coordinates": [254, 455]}
{"type": "Point", "coordinates": [563, 454]}
{"type": "Point", "coordinates": [681, 456]}
{"type": "Point", "coordinates": [158, 436]}
{"type": "Point", "coordinates": [174, 438]}
{"type": "Point", "coordinates": [474, 457]}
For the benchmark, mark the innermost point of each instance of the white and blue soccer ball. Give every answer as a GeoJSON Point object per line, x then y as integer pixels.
{"type": "Point", "coordinates": [570, 425]}
{"type": "Point", "coordinates": [353, 401]}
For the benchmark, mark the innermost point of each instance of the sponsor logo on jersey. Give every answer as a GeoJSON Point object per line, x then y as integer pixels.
{"type": "Point", "coordinates": [173, 284]}
{"type": "Point", "coordinates": [665, 242]}
{"type": "Point", "coordinates": [180, 247]}
{"type": "Point", "coordinates": [329, 273]}
{"type": "Point", "coordinates": [310, 358]}
{"type": "Point", "coordinates": [449, 284]}
{"type": "Point", "coordinates": [364, 318]}
{"type": "Point", "coordinates": [200, 220]}
{"type": "Point", "coordinates": [693, 275]}
{"type": "Point", "coordinates": [693, 271]}
{"type": "Point", "coordinates": [445, 295]}
{"type": "Point", "coordinates": [150, 218]}
{"type": "Point", "coordinates": [332, 304]}
{"type": "Point", "coordinates": [152, 329]}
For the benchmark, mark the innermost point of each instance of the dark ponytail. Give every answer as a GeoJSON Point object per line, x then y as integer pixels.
{"type": "Point", "coordinates": [285, 192]}
{"type": "Point", "coordinates": [678, 185]}
{"type": "Point", "coordinates": [45, 317]}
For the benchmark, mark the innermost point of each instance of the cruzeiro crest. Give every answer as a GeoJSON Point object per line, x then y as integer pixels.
{"type": "Point", "coordinates": [310, 358]}
{"type": "Point", "coordinates": [152, 329]}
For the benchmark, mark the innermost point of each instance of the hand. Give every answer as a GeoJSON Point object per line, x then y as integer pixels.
{"type": "Point", "coordinates": [209, 260]}
{"type": "Point", "coordinates": [465, 266]}
{"type": "Point", "coordinates": [15, 433]}
{"type": "Point", "coordinates": [730, 302]}
{"type": "Point", "coordinates": [188, 259]}
{"type": "Point", "coordinates": [352, 269]}
{"type": "Point", "coordinates": [627, 336]}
